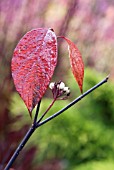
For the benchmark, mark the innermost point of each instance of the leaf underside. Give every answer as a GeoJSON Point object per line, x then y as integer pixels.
{"type": "Point", "coordinates": [76, 62]}
{"type": "Point", "coordinates": [33, 64]}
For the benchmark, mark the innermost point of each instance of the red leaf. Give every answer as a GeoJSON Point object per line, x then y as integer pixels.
{"type": "Point", "coordinates": [33, 64]}
{"type": "Point", "coordinates": [76, 63]}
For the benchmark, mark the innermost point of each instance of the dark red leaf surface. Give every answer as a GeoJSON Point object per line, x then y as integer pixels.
{"type": "Point", "coordinates": [76, 63]}
{"type": "Point", "coordinates": [33, 64]}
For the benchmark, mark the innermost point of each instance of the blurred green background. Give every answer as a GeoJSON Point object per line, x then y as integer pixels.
{"type": "Point", "coordinates": [82, 138]}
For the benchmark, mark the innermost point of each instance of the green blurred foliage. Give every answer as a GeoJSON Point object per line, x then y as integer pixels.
{"type": "Point", "coordinates": [82, 134]}
{"type": "Point", "coordinates": [103, 165]}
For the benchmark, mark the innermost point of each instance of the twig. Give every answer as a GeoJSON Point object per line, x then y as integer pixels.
{"type": "Point", "coordinates": [20, 147]}
{"type": "Point", "coordinates": [38, 124]}
{"type": "Point", "coordinates": [37, 111]}
{"type": "Point", "coordinates": [46, 111]}
{"type": "Point", "coordinates": [73, 102]}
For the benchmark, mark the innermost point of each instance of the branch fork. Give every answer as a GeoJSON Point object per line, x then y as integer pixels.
{"type": "Point", "coordinates": [38, 123]}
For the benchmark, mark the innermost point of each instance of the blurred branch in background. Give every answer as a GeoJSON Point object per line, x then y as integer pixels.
{"type": "Point", "coordinates": [65, 23]}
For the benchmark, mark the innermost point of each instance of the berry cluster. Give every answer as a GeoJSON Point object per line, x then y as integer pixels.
{"type": "Point", "coordinates": [59, 90]}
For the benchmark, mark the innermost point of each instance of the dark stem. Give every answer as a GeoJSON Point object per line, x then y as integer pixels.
{"type": "Point", "coordinates": [20, 147]}
{"type": "Point", "coordinates": [38, 124]}
{"type": "Point", "coordinates": [46, 110]}
{"type": "Point", "coordinates": [73, 102]}
{"type": "Point", "coordinates": [25, 139]}
{"type": "Point", "coordinates": [37, 111]}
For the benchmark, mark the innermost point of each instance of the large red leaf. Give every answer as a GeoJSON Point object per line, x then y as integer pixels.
{"type": "Point", "coordinates": [33, 64]}
{"type": "Point", "coordinates": [76, 62]}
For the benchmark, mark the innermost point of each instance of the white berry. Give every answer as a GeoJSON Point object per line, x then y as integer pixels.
{"type": "Point", "coordinates": [51, 86]}
{"type": "Point", "coordinates": [66, 90]}
{"type": "Point", "coordinates": [61, 86]}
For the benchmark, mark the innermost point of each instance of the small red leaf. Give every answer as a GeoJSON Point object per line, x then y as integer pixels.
{"type": "Point", "coordinates": [33, 64]}
{"type": "Point", "coordinates": [76, 63]}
